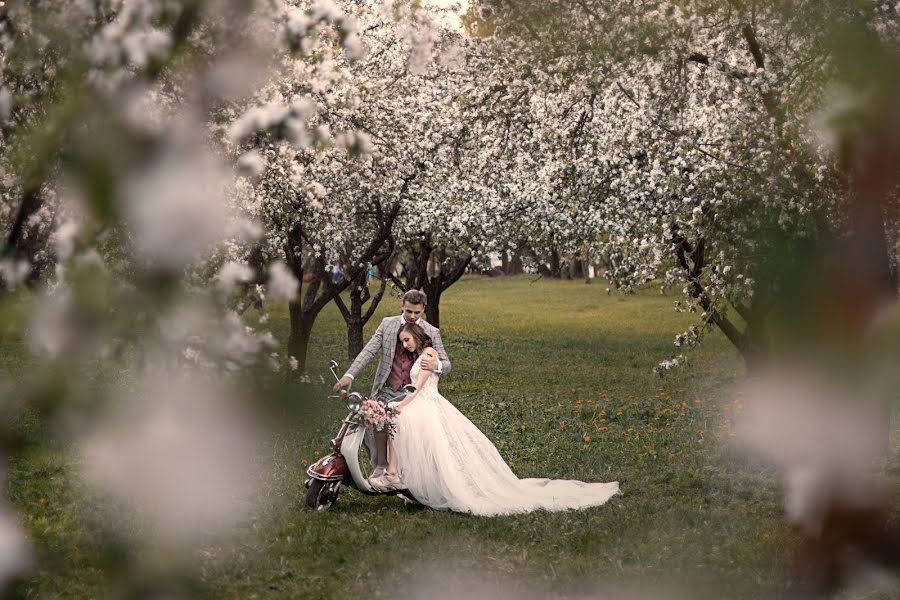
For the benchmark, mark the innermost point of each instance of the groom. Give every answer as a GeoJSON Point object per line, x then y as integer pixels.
{"type": "Point", "coordinates": [396, 363]}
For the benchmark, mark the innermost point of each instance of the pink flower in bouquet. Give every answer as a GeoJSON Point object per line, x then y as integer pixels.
{"type": "Point", "coordinates": [374, 415]}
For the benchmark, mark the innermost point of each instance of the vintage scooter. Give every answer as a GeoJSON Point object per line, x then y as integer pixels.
{"type": "Point", "coordinates": [343, 466]}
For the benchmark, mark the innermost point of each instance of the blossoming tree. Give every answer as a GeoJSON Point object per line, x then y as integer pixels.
{"type": "Point", "coordinates": [114, 196]}
{"type": "Point", "coordinates": [686, 144]}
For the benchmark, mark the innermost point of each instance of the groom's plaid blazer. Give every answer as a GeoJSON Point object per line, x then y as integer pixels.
{"type": "Point", "coordinates": [385, 340]}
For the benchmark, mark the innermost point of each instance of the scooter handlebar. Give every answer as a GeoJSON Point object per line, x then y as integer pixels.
{"type": "Point", "coordinates": [406, 390]}
{"type": "Point", "coordinates": [345, 394]}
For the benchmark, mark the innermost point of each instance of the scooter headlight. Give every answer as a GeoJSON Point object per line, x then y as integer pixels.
{"type": "Point", "coordinates": [354, 402]}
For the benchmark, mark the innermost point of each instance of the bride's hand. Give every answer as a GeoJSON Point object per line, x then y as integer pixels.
{"type": "Point", "coordinates": [395, 407]}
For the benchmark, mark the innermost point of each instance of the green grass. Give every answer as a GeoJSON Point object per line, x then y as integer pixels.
{"type": "Point", "coordinates": [538, 366]}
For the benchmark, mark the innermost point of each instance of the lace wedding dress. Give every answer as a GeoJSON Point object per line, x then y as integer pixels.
{"type": "Point", "coordinates": [448, 464]}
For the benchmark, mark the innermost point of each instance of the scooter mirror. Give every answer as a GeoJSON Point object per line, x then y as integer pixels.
{"type": "Point", "coordinates": [333, 368]}
{"type": "Point", "coordinates": [409, 388]}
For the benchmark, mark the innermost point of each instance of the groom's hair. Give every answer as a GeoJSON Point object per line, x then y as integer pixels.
{"type": "Point", "coordinates": [415, 297]}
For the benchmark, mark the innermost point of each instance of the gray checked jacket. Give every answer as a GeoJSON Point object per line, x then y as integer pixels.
{"type": "Point", "coordinates": [385, 340]}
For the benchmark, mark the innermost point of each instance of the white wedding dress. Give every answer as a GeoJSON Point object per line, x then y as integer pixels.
{"type": "Point", "coordinates": [448, 464]}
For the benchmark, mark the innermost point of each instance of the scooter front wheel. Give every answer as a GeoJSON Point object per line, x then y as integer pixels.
{"type": "Point", "coordinates": [322, 495]}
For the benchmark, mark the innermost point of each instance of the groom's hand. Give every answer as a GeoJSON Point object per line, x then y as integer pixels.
{"type": "Point", "coordinates": [429, 363]}
{"type": "Point", "coordinates": [344, 382]}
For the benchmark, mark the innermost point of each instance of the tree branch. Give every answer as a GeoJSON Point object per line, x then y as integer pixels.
{"type": "Point", "coordinates": [698, 57]}
{"type": "Point", "coordinates": [29, 204]}
{"type": "Point", "coordinates": [753, 45]}
{"type": "Point", "coordinates": [342, 306]}
{"type": "Point", "coordinates": [458, 272]}
{"type": "Point", "coordinates": [376, 300]}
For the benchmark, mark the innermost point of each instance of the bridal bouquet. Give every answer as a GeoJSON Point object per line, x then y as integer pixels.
{"type": "Point", "coordinates": [375, 417]}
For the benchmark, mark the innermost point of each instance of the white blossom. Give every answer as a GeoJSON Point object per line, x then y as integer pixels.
{"type": "Point", "coordinates": [232, 273]}
{"type": "Point", "coordinates": [14, 271]}
{"type": "Point", "coordinates": [282, 284]}
{"type": "Point", "coordinates": [820, 433]}
{"type": "Point", "coordinates": [5, 104]}
{"type": "Point", "coordinates": [176, 208]}
{"type": "Point", "coordinates": [15, 551]}
{"type": "Point", "coordinates": [182, 452]}
{"type": "Point", "coordinates": [65, 238]}
{"type": "Point", "coordinates": [251, 163]}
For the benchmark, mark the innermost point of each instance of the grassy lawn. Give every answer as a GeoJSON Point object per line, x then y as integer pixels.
{"type": "Point", "coordinates": [560, 377]}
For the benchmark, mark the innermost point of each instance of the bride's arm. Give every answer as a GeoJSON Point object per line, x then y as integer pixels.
{"type": "Point", "coordinates": [420, 381]}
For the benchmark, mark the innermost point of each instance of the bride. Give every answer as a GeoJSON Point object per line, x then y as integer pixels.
{"type": "Point", "coordinates": [445, 461]}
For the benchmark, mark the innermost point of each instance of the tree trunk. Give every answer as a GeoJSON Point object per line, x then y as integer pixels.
{"type": "Point", "coordinates": [429, 269]}
{"type": "Point", "coordinates": [514, 266]}
{"type": "Point", "coordinates": [586, 263]}
{"type": "Point", "coordinates": [433, 309]}
{"type": "Point", "coordinates": [691, 257]}
{"type": "Point", "coordinates": [432, 286]}
{"type": "Point", "coordinates": [354, 315]}
{"type": "Point", "coordinates": [256, 260]}
{"type": "Point", "coordinates": [525, 249]}
{"type": "Point", "coordinates": [354, 338]}
{"type": "Point", "coordinates": [301, 330]}
{"type": "Point", "coordinates": [555, 265]}
{"type": "Point", "coordinates": [308, 303]}
{"type": "Point", "coordinates": [576, 269]}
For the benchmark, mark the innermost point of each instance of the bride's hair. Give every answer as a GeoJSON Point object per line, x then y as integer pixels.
{"type": "Point", "coordinates": [423, 340]}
